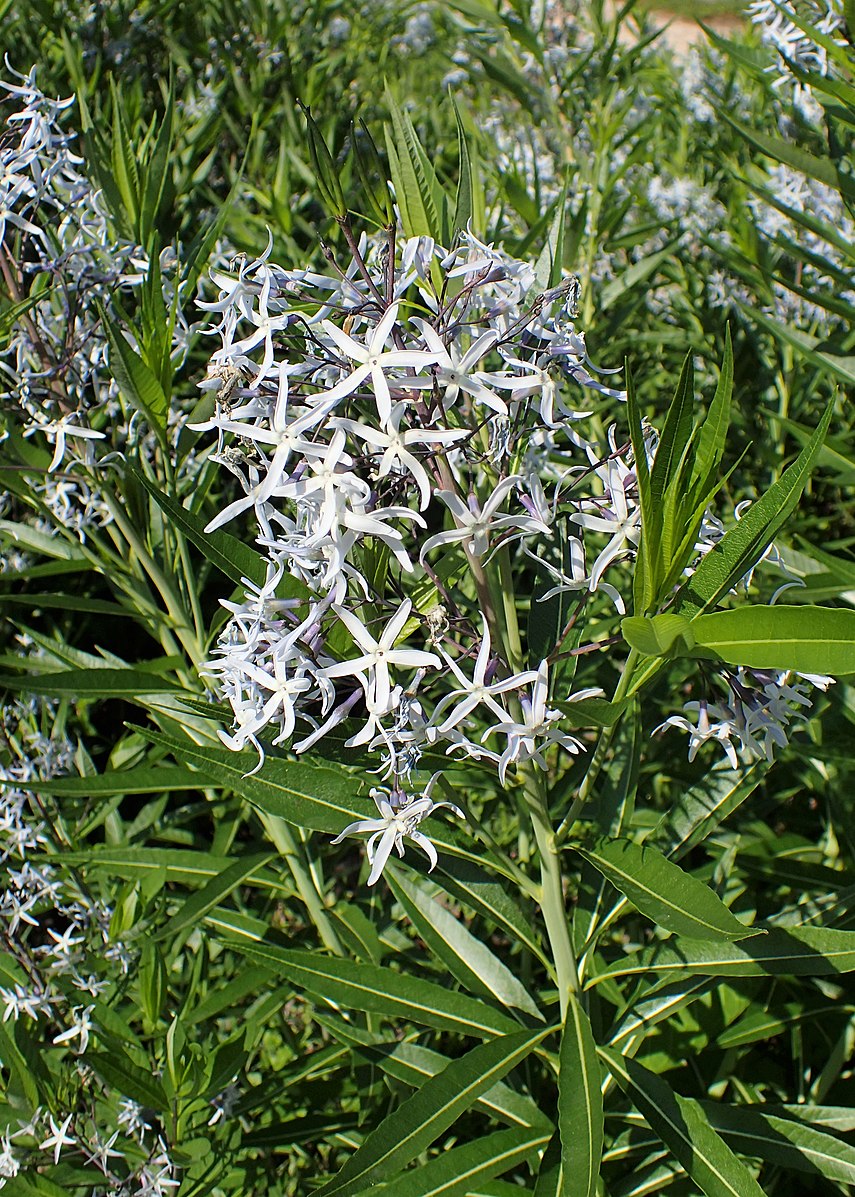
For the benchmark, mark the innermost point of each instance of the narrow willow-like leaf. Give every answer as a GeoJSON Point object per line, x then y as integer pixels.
{"type": "Point", "coordinates": [743, 544]}
{"type": "Point", "coordinates": [646, 1012]}
{"type": "Point", "coordinates": [467, 958]}
{"type": "Point", "coordinates": [783, 1141]}
{"type": "Point", "coordinates": [757, 1025]}
{"type": "Point", "coordinates": [807, 639]}
{"type": "Point", "coordinates": [794, 952]}
{"type": "Point", "coordinates": [685, 1129]}
{"type": "Point", "coordinates": [414, 1064]}
{"type": "Point", "coordinates": [135, 380]}
{"type": "Point", "coordinates": [663, 891]}
{"type": "Point", "coordinates": [700, 809]}
{"type": "Point", "coordinates": [456, 1171]}
{"type": "Point", "coordinates": [154, 779]}
{"type": "Point", "coordinates": [226, 552]}
{"type": "Point", "coordinates": [414, 1125]}
{"type": "Point", "coordinates": [305, 794]}
{"type": "Point", "coordinates": [131, 1080]}
{"type": "Point", "coordinates": [85, 683]}
{"type": "Point", "coordinates": [580, 1105]}
{"type": "Point", "coordinates": [713, 433]}
{"type": "Point", "coordinates": [550, 1174]}
{"type": "Point", "coordinates": [474, 886]}
{"type": "Point", "coordinates": [370, 987]}
{"type": "Point", "coordinates": [180, 864]}
{"type": "Point", "coordinates": [210, 895]}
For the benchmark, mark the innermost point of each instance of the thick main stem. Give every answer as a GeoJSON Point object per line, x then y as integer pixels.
{"type": "Point", "coordinates": [552, 902]}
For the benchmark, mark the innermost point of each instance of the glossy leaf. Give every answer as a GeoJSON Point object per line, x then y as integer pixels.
{"type": "Point", "coordinates": [783, 1141]}
{"type": "Point", "coordinates": [381, 990]}
{"type": "Point", "coordinates": [743, 545]}
{"type": "Point", "coordinates": [663, 891]}
{"type": "Point", "coordinates": [685, 1129]}
{"type": "Point", "coordinates": [467, 958]}
{"type": "Point", "coordinates": [580, 1105]}
{"type": "Point", "coordinates": [456, 1171]}
{"type": "Point", "coordinates": [807, 639]}
{"type": "Point", "coordinates": [794, 952]}
{"type": "Point", "coordinates": [422, 1118]}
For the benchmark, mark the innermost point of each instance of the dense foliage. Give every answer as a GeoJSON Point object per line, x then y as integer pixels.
{"type": "Point", "coordinates": [427, 579]}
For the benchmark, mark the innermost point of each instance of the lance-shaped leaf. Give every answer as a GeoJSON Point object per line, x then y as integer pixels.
{"type": "Point", "coordinates": [783, 1141]}
{"type": "Point", "coordinates": [697, 811]}
{"type": "Point", "coordinates": [414, 1064]}
{"type": "Point", "coordinates": [580, 1105]}
{"type": "Point", "coordinates": [685, 1130]}
{"type": "Point", "coordinates": [92, 683]}
{"type": "Point", "coordinates": [414, 1125]}
{"type": "Point", "coordinates": [461, 1170]}
{"type": "Point", "coordinates": [807, 639]}
{"type": "Point", "coordinates": [744, 544]}
{"type": "Point", "coordinates": [465, 956]}
{"type": "Point", "coordinates": [381, 990]}
{"type": "Point", "coordinates": [794, 952]}
{"type": "Point", "coordinates": [218, 888]}
{"type": "Point", "coordinates": [663, 891]}
{"type": "Point", "coordinates": [136, 381]}
{"type": "Point", "coordinates": [666, 635]}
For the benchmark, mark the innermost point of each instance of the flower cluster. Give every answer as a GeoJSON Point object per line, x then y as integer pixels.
{"type": "Point", "coordinates": [753, 721]}
{"type": "Point", "coordinates": [777, 29]}
{"type": "Point", "coordinates": [378, 447]}
{"type": "Point", "coordinates": [61, 259]}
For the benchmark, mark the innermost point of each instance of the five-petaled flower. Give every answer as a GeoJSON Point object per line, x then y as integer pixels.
{"type": "Point", "coordinates": [400, 816]}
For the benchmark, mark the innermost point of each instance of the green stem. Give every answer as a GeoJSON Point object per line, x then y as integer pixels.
{"type": "Point", "coordinates": [552, 889]}
{"type": "Point", "coordinates": [284, 841]}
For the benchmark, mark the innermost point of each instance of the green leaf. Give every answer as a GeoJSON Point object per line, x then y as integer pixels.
{"type": "Point", "coordinates": [550, 1174]}
{"type": "Point", "coordinates": [467, 958]}
{"type": "Point", "coordinates": [422, 1118]}
{"type": "Point", "coordinates": [219, 887]}
{"type": "Point", "coordinates": [301, 792]}
{"type": "Point", "coordinates": [647, 1011]}
{"type": "Point", "coordinates": [457, 1171]}
{"type": "Point", "coordinates": [370, 987]}
{"type": "Point", "coordinates": [667, 635]}
{"type": "Point", "coordinates": [808, 639]}
{"type": "Point", "coordinates": [549, 266]}
{"type": "Point", "coordinates": [155, 779]}
{"type": "Point", "coordinates": [229, 554]}
{"type": "Point", "coordinates": [476, 888]}
{"type": "Point", "coordinates": [661, 890]}
{"type": "Point", "coordinates": [413, 1064]}
{"type": "Point", "coordinates": [135, 380]}
{"type": "Point", "coordinates": [794, 952]}
{"type": "Point", "coordinates": [131, 1080]}
{"type": "Point", "coordinates": [580, 1105]}
{"type": "Point", "coordinates": [68, 602]}
{"type": "Point", "coordinates": [92, 683]}
{"type": "Point", "coordinates": [417, 190]}
{"type": "Point", "coordinates": [463, 200]}
{"type": "Point", "coordinates": [783, 1141]}
{"type": "Point", "coordinates": [699, 810]}
{"type": "Point", "coordinates": [713, 433]}
{"type": "Point", "coordinates": [685, 1129]}
{"type": "Point", "coordinates": [813, 349]}
{"type": "Point", "coordinates": [157, 171]}
{"type": "Point", "coordinates": [184, 865]}
{"type": "Point", "coordinates": [676, 433]}
{"type": "Point", "coordinates": [744, 544]}
{"type": "Point", "coordinates": [793, 155]}
{"type": "Point", "coordinates": [124, 162]}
